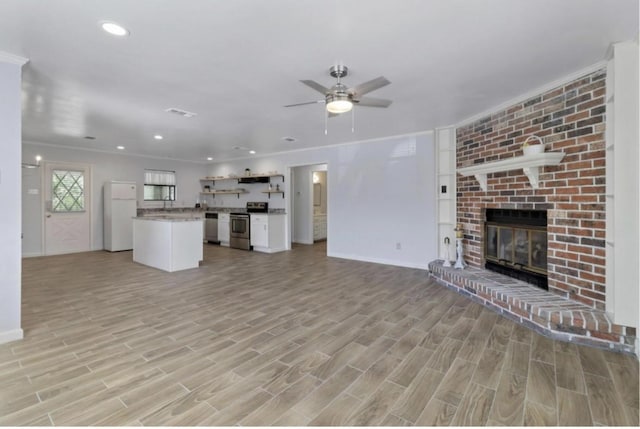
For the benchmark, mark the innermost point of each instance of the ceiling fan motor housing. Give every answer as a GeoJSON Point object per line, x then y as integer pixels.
{"type": "Point", "coordinates": [338, 71]}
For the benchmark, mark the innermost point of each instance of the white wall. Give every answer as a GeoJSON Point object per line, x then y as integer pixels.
{"type": "Point", "coordinates": [380, 193]}
{"type": "Point", "coordinates": [10, 184]}
{"type": "Point", "coordinates": [105, 167]}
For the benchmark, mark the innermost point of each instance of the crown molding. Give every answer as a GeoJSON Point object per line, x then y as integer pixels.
{"type": "Point", "coordinates": [6, 57]}
{"type": "Point", "coordinates": [327, 146]}
{"type": "Point", "coordinates": [542, 89]}
{"type": "Point", "coordinates": [107, 152]}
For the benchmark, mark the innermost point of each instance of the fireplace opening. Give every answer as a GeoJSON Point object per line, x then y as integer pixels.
{"type": "Point", "coordinates": [516, 244]}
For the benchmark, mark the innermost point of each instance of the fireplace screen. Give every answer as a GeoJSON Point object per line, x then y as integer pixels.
{"type": "Point", "coordinates": [523, 247]}
{"type": "Point", "coordinates": [516, 244]}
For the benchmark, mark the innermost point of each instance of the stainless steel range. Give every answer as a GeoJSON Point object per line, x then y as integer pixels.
{"type": "Point", "coordinates": [241, 225]}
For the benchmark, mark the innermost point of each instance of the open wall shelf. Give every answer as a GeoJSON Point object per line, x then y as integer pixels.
{"type": "Point", "coordinates": [273, 192]}
{"type": "Point", "coordinates": [530, 165]}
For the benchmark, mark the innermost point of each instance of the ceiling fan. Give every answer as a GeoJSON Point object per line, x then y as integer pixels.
{"type": "Point", "coordinates": [340, 99]}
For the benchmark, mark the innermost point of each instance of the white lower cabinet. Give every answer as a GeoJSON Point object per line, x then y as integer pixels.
{"type": "Point", "coordinates": [319, 227]}
{"type": "Point", "coordinates": [224, 233]}
{"type": "Point", "coordinates": [268, 232]}
{"type": "Point", "coordinates": [170, 244]}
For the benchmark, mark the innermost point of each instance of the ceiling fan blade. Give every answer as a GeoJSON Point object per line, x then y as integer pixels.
{"type": "Point", "coordinates": [369, 86]}
{"type": "Point", "coordinates": [372, 102]}
{"type": "Point", "coordinates": [303, 104]}
{"type": "Point", "coordinates": [315, 85]}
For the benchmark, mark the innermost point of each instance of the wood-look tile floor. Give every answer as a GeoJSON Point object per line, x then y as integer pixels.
{"type": "Point", "coordinates": [291, 339]}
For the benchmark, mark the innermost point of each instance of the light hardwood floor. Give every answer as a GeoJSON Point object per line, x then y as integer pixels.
{"type": "Point", "coordinates": [293, 338]}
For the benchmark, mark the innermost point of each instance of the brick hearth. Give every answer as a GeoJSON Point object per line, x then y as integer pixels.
{"type": "Point", "coordinates": [545, 312]}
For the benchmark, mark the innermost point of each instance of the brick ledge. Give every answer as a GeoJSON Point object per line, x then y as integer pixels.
{"type": "Point", "coordinates": [545, 312]}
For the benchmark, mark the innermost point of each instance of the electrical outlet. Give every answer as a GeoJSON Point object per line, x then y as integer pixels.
{"type": "Point", "coordinates": [398, 246]}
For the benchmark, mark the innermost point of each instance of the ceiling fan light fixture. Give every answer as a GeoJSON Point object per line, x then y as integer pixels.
{"type": "Point", "coordinates": [338, 103]}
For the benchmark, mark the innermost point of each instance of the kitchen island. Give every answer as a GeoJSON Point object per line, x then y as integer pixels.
{"type": "Point", "coordinates": [168, 243]}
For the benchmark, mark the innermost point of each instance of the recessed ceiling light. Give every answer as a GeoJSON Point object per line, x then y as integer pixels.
{"type": "Point", "coordinates": [209, 159]}
{"type": "Point", "coordinates": [158, 137]}
{"type": "Point", "coordinates": [120, 147]}
{"type": "Point", "coordinates": [252, 152]}
{"type": "Point", "coordinates": [115, 29]}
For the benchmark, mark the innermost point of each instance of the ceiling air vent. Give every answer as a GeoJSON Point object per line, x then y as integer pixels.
{"type": "Point", "coordinates": [180, 112]}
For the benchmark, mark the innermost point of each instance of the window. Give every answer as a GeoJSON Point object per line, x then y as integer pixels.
{"type": "Point", "coordinates": [159, 185]}
{"type": "Point", "coordinates": [68, 191]}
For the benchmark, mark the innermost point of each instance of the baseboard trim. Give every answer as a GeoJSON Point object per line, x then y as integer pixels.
{"type": "Point", "coordinates": [31, 255]}
{"type": "Point", "coordinates": [8, 336]}
{"type": "Point", "coordinates": [424, 266]}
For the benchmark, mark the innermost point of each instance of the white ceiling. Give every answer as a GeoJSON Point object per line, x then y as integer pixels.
{"type": "Point", "coordinates": [236, 63]}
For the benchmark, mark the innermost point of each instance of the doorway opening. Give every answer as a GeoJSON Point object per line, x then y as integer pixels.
{"type": "Point", "coordinates": [309, 204]}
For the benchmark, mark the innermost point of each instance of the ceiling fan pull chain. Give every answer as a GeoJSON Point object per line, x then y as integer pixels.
{"type": "Point", "coordinates": [326, 120]}
{"type": "Point", "coordinates": [353, 120]}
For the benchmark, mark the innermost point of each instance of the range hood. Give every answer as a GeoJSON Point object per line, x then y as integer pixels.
{"type": "Point", "coordinates": [254, 179]}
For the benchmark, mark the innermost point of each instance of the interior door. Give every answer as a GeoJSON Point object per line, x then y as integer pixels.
{"type": "Point", "coordinates": [67, 208]}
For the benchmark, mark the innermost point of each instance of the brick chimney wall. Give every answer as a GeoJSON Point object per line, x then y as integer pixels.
{"type": "Point", "coordinates": [570, 118]}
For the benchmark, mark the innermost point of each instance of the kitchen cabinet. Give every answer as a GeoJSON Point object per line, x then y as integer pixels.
{"type": "Point", "coordinates": [224, 232]}
{"type": "Point", "coordinates": [169, 243]}
{"type": "Point", "coordinates": [268, 232]}
{"type": "Point", "coordinates": [319, 227]}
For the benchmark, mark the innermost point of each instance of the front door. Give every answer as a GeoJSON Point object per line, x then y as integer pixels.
{"type": "Point", "coordinates": [67, 203]}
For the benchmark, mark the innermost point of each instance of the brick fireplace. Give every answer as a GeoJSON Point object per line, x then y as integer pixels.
{"type": "Point", "coordinates": [569, 119]}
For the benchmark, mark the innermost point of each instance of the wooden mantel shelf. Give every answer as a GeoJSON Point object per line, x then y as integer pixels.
{"type": "Point", "coordinates": [530, 164]}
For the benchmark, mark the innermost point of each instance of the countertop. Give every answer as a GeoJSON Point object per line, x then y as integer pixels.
{"type": "Point", "coordinates": [175, 210]}
{"type": "Point", "coordinates": [169, 218]}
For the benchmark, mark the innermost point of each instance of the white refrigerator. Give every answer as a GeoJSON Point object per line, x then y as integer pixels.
{"type": "Point", "coordinates": [119, 210]}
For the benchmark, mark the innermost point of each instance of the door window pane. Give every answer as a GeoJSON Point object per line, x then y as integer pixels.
{"type": "Point", "coordinates": [67, 191]}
